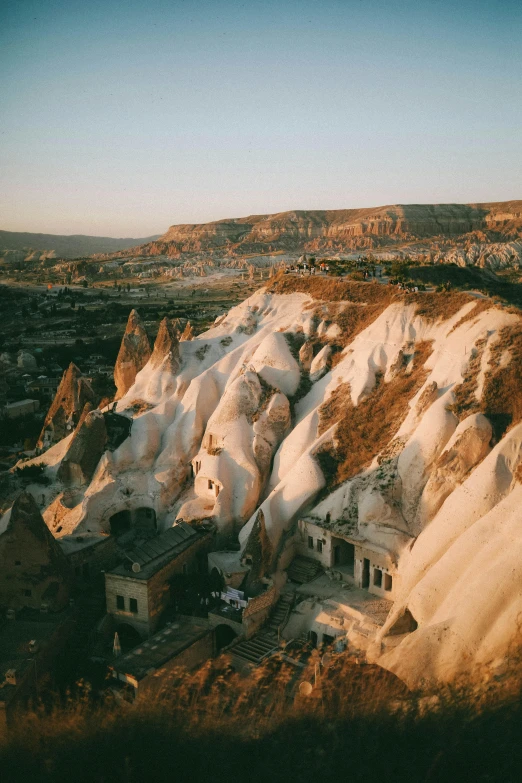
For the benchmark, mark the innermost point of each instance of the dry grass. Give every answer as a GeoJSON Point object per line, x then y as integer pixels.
{"type": "Point", "coordinates": [331, 289]}
{"type": "Point", "coordinates": [481, 306]}
{"type": "Point", "coordinates": [364, 430]}
{"type": "Point", "coordinates": [439, 306]}
{"type": "Point", "coordinates": [466, 401]}
{"type": "Point", "coordinates": [358, 720]}
{"type": "Point", "coordinates": [502, 394]}
{"type": "Point", "coordinates": [140, 406]}
{"type": "Point", "coordinates": [369, 300]}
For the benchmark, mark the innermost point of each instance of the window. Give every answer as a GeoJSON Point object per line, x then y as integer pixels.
{"type": "Point", "coordinates": [28, 593]}
{"type": "Point", "coordinates": [319, 545]}
{"type": "Point", "coordinates": [133, 605]}
{"type": "Point", "coordinates": [310, 542]}
{"type": "Point", "coordinates": [210, 483]}
{"type": "Point", "coordinates": [388, 581]}
{"type": "Point", "coordinates": [377, 577]}
{"type": "Point", "coordinates": [120, 602]}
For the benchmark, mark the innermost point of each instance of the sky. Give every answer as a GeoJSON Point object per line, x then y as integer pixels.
{"type": "Point", "coordinates": [122, 117]}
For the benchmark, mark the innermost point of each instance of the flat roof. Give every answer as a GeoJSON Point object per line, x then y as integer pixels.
{"type": "Point", "coordinates": [20, 402]}
{"type": "Point", "coordinates": [162, 647]}
{"type": "Point", "coordinates": [154, 553]}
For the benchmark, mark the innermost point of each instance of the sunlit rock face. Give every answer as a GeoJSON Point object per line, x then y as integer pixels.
{"type": "Point", "coordinates": [394, 417]}
{"type": "Point", "coordinates": [73, 393]}
{"type": "Point", "coordinates": [133, 355]}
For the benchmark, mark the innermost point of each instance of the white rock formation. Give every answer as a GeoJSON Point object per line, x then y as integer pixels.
{"type": "Point", "coordinates": [221, 435]}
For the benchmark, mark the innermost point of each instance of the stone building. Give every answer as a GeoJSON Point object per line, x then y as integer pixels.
{"type": "Point", "coordinates": [186, 643]}
{"type": "Point", "coordinates": [353, 557]}
{"type": "Point", "coordinates": [21, 408]}
{"type": "Point", "coordinates": [34, 571]}
{"type": "Point", "coordinates": [139, 590]}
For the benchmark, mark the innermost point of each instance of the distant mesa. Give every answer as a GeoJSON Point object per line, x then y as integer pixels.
{"type": "Point", "coordinates": [342, 229]}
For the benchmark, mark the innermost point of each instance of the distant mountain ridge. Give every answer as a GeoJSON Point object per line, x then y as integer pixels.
{"type": "Point", "coordinates": [58, 246]}
{"type": "Point", "coordinates": [313, 230]}
{"type": "Point", "coordinates": [293, 231]}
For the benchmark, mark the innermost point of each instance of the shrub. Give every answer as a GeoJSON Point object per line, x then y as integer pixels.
{"type": "Point", "coordinates": [32, 473]}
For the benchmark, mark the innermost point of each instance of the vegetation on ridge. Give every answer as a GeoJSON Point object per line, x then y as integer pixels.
{"type": "Point", "coordinates": [365, 429]}
{"type": "Point", "coordinates": [215, 723]}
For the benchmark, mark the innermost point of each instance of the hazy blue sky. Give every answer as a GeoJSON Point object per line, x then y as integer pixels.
{"type": "Point", "coordinates": [122, 117]}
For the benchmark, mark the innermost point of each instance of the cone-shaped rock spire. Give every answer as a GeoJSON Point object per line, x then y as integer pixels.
{"type": "Point", "coordinates": [85, 449]}
{"type": "Point", "coordinates": [73, 393]}
{"type": "Point", "coordinates": [166, 348]}
{"type": "Point", "coordinates": [188, 332]}
{"type": "Point", "coordinates": [133, 355]}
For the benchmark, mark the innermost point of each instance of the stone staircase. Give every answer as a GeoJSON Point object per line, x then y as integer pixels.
{"type": "Point", "coordinates": [280, 614]}
{"type": "Point", "coordinates": [250, 652]}
{"type": "Point", "coordinates": [303, 570]}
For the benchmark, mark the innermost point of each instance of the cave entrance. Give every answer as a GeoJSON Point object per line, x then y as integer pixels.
{"type": "Point", "coordinates": [406, 623]}
{"type": "Point", "coordinates": [224, 635]}
{"type": "Point", "coordinates": [142, 519]}
{"type": "Point", "coordinates": [120, 523]}
{"type": "Point", "coordinates": [343, 554]}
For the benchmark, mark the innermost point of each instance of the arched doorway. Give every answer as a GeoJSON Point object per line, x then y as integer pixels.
{"type": "Point", "coordinates": [142, 519]}
{"type": "Point", "coordinates": [224, 635]}
{"type": "Point", "coordinates": [120, 522]}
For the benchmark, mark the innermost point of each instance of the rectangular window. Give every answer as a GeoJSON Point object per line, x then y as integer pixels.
{"type": "Point", "coordinates": [377, 577]}
{"type": "Point", "coordinates": [310, 542]}
{"type": "Point", "coordinates": [387, 581]}
{"type": "Point", "coordinates": [133, 605]}
{"type": "Point", "coordinates": [120, 602]}
{"type": "Point", "coordinates": [210, 484]}
{"type": "Point", "coordinates": [319, 545]}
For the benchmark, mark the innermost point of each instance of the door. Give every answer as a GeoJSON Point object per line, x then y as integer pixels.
{"type": "Point", "coordinates": [366, 573]}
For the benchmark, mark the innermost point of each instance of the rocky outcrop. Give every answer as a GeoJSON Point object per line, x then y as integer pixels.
{"type": "Point", "coordinates": [166, 348]}
{"type": "Point", "coordinates": [73, 393]}
{"type": "Point", "coordinates": [84, 452]}
{"type": "Point", "coordinates": [468, 446]}
{"type": "Point", "coordinates": [306, 355]}
{"type": "Point", "coordinates": [320, 363]}
{"type": "Point", "coordinates": [188, 332]}
{"type": "Point", "coordinates": [133, 355]}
